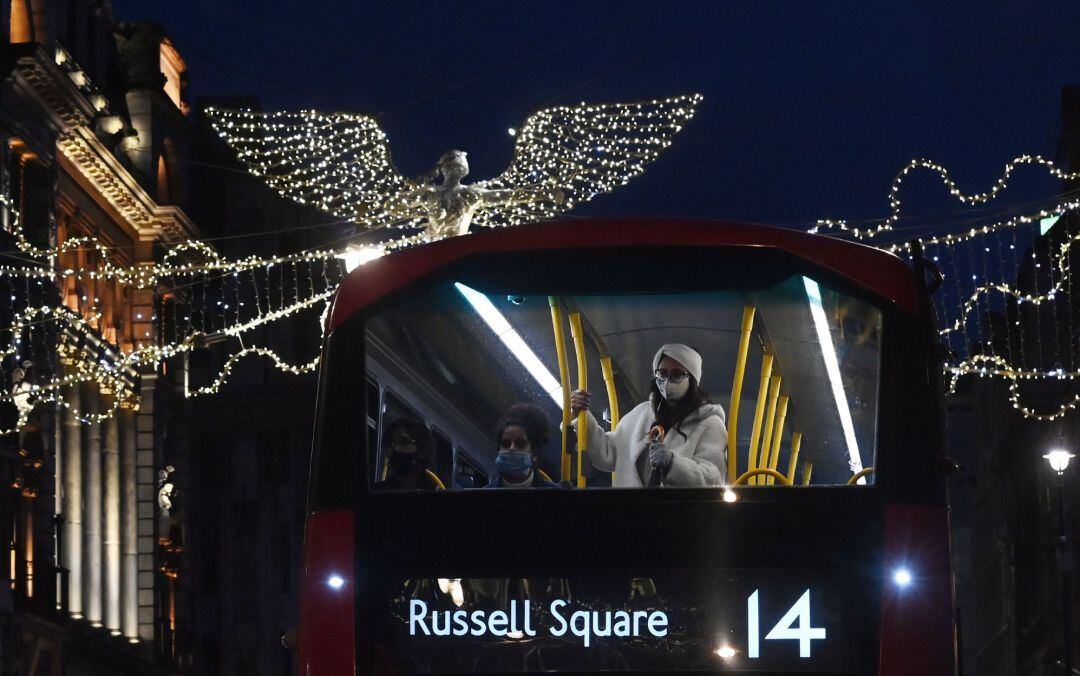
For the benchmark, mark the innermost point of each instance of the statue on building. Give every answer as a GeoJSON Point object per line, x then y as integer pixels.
{"type": "Point", "coordinates": [31, 441]}
{"type": "Point", "coordinates": [170, 525]}
{"type": "Point", "coordinates": [166, 490]}
{"type": "Point", "coordinates": [340, 163]}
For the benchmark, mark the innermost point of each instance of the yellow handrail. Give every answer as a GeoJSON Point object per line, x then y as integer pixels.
{"type": "Point", "coordinates": [543, 475]}
{"type": "Point", "coordinates": [612, 395]}
{"type": "Point", "coordinates": [435, 477]}
{"type": "Point", "coordinates": [859, 475]}
{"type": "Point", "coordinates": [796, 441]}
{"type": "Point", "coordinates": [778, 435]}
{"type": "Point", "coordinates": [807, 469]}
{"type": "Point", "coordinates": [736, 392]}
{"type": "Point", "coordinates": [770, 422]}
{"type": "Point", "coordinates": [761, 470]}
{"type": "Point", "coordinates": [564, 379]}
{"type": "Point", "coordinates": [583, 384]}
{"type": "Point", "coordinates": [759, 411]}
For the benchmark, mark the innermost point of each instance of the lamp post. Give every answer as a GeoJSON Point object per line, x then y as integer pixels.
{"type": "Point", "coordinates": [1059, 461]}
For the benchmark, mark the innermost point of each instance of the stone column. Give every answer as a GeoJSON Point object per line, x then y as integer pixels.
{"type": "Point", "coordinates": [92, 483]}
{"type": "Point", "coordinates": [72, 502]}
{"type": "Point", "coordinates": [146, 476]}
{"type": "Point", "coordinates": [129, 528]}
{"type": "Point", "coordinates": [111, 452]}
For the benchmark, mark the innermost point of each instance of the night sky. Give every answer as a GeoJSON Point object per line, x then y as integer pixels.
{"type": "Point", "coordinates": [810, 108]}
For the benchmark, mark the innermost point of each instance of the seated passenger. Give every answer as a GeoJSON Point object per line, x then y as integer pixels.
{"type": "Point", "coordinates": [409, 445]}
{"type": "Point", "coordinates": [521, 434]}
{"type": "Point", "coordinates": [695, 442]}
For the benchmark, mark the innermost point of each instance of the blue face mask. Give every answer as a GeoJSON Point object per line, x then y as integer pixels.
{"type": "Point", "coordinates": [513, 464]}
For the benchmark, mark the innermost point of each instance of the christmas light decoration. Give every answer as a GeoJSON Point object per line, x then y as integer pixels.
{"type": "Point", "coordinates": [247, 293]}
{"type": "Point", "coordinates": [340, 163]}
{"type": "Point", "coordinates": [978, 198]}
{"type": "Point", "coordinates": [976, 298]}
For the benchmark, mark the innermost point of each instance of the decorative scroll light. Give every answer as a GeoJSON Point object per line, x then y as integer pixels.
{"type": "Point", "coordinates": [977, 198]}
{"type": "Point", "coordinates": [977, 290]}
{"type": "Point", "coordinates": [340, 163]}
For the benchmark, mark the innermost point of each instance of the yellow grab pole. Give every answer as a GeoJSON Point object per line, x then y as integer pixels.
{"type": "Point", "coordinates": [564, 379]}
{"type": "Point", "coordinates": [759, 414]}
{"type": "Point", "coordinates": [612, 395]}
{"type": "Point", "coordinates": [750, 475]}
{"type": "Point", "coordinates": [796, 441]}
{"type": "Point", "coordinates": [807, 468]}
{"type": "Point", "coordinates": [736, 394]}
{"type": "Point", "coordinates": [781, 414]}
{"type": "Point", "coordinates": [770, 422]}
{"type": "Point", "coordinates": [583, 384]}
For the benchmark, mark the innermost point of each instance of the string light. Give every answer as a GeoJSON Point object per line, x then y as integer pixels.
{"type": "Point", "coordinates": [978, 198]}
{"type": "Point", "coordinates": [226, 369]}
{"type": "Point", "coordinates": [116, 375]}
{"type": "Point", "coordinates": [980, 364]}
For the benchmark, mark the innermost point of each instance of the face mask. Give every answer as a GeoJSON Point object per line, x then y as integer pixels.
{"type": "Point", "coordinates": [402, 463]}
{"type": "Point", "coordinates": [670, 391]}
{"type": "Point", "coordinates": [513, 464]}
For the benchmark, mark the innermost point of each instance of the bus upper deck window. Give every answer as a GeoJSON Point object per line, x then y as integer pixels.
{"type": "Point", "coordinates": [763, 384]}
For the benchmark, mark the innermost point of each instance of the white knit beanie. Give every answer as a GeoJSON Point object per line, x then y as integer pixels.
{"type": "Point", "coordinates": [687, 356]}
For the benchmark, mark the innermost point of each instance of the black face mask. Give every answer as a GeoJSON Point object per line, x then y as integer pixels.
{"type": "Point", "coordinates": [402, 464]}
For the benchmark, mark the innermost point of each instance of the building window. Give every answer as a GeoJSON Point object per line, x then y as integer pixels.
{"type": "Point", "coordinates": [27, 22]}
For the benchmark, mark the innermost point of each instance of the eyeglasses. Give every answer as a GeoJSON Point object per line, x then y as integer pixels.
{"type": "Point", "coordinates": [401, 442]}
{"type": "Point", "coordinates": [519, 444]}
{"type": "Point", "coordinates": [674, 377]}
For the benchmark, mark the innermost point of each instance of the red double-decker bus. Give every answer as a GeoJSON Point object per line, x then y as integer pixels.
{"type": "Point", "coordinates": [811, 537]}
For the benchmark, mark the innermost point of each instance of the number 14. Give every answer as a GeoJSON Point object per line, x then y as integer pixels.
{"type": "Point", "coordinates": [804, 633]}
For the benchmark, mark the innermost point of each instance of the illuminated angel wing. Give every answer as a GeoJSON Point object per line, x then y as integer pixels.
{"type": "Point", "coordinates": [339, 162]}
{"type": "Point", "coordinates": [582, 150]}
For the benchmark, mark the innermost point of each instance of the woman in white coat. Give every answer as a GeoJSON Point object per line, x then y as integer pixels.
{"type": "Point", "coordinates": [695, 442]}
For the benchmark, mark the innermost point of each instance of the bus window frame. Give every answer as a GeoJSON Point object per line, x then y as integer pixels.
{"type": "Point", "coordinates": [413, 414]}
{"type": "Point", "coordinates": [436, 432]}
{"type": "Point", "coordinates": [478, 469]}
{"type": "Point", "coordinates": [895, 321]}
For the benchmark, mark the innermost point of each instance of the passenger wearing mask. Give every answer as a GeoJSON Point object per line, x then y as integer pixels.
{"type": "Point", "coordinates": [693, 448]}
{"type": "Point", "coordinates": [408, 444]}
{"type": "Point", "coordinates": [521, 434]}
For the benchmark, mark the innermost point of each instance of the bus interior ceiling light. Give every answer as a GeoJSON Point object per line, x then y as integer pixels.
{"type": "Point", "coordinates": [336, 582]}
{"type": "Point", "coordinates": [512, 340]}
{"type": "Point", "coordinates": [832, 367]}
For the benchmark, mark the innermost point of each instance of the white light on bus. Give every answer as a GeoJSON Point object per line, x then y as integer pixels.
{"type": "Point", "coordinates": [513, 341]}
{"type": "Point", "coordinates": [355, 256]}
{"type": "Point", "coordinates": [726, 652]}
{"type": "Point", "coordinates": [902, 577]}
{"type": "Point", "coordinates": [336, 582]}
{"type": "Point", "coordinates": [729, 495]}
{"type": "Point", "coordinates": [832, 367]}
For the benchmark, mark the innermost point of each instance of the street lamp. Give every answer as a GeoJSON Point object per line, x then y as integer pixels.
{"type": "Point", "coordinates": [1059, 460]}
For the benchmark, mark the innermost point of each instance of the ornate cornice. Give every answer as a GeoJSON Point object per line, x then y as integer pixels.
{"type": "Point", "coordinates": [83, 155]}
{"type": "Point", "coordinates": [88, 160]}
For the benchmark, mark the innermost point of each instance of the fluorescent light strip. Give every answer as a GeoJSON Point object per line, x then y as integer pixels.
{"type": "Point", "coordinates": [832, 367]}
{"type": "Point", "coordinates": [513, 341]}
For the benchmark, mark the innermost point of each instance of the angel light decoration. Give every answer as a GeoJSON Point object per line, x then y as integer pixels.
{"type": "Point", "coordinates": [340, 163]}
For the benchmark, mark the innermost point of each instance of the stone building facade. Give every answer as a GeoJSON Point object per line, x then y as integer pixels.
{"type": "Point", "coordinates": [93, 131]}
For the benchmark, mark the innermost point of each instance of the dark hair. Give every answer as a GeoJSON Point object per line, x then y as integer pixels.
{"type": "Point", "coordinates": [416, 430]}
{"type": "Point", "coordinates": [529, 417]}
{"type": "Point", "coordinates": [670, 415]}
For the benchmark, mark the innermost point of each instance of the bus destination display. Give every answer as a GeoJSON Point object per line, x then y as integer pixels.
{"type": "Point", "coordinates": [689, 620]}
